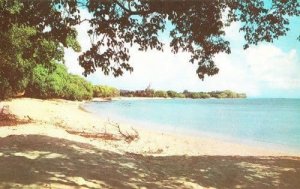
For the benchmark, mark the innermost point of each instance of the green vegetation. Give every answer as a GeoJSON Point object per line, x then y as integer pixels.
{"type": "Point", "coordinates": [227, 94]}
{"type": "Point", "coordinates": [197, 95]}
{"type": "Point", "coordinates": [162, 94]}
{"type": "Point", "coordinates": [138, 93]}
{"type": "Point", "coordinates": [58, 83]}
{"type": "Point", "coordinates": [185, 94]}
{"type": "Point", "coordinates": [174, 94]}
{"type": "Point", "coordinates": [215, 94]}
{"type": "Point", "coordinates": [32, 41]}
{"type": "Point", "coordinates": [105, 91]}
{"type": "Point", "coordinates": [78, 89]}
{"type": "Point", "coordinates": [14, 68]}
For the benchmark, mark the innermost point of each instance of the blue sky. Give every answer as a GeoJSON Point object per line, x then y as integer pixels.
{"type": "Point", "coordinates": [265, 70]}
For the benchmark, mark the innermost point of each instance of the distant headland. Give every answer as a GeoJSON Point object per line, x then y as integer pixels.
{"type": "Point", "coordinates": [107, 91]}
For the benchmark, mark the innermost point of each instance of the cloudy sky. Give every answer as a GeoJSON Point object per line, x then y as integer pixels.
{"type": "Point", "coordinates": [265, 70]}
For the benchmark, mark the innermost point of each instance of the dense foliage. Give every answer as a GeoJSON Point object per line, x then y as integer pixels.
{"type": "Point", "coordinates": [14, 68]}
{"type": "Point", "coordinates": [184, 94]}
{"type": "Point", "coordinates": [137, 93]}
{"type": "Point", "coordinates": [174, 94]}
{"type": "Point", "coordinates": [105, 91]}
{"type": "Point", "coordinates": [214, 94]}
{"type": "Point", "coordinates": [32, 33]}
{"type": "Point", "coordinates": [78, 89]}
{"type": "Point", "coordinates": [161, 94]}
{"type": "Point", "coordinates": [58, 83]}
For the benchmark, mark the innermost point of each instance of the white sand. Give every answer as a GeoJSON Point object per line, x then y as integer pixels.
{"type": "Point", "coordinates": [54, 117]}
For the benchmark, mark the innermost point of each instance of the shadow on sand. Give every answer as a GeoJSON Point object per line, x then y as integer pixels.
{"type": "Point", "coordinates": [41, 161]}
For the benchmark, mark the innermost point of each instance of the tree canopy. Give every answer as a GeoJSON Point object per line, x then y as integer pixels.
{"type": "Point", "coordinates": [36, 32]}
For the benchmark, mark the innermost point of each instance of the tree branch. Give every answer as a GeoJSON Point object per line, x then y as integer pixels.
{"type": "Point", "coordinates": [130, 11]}
{"type": "Point", "coordinates": [84, 20]}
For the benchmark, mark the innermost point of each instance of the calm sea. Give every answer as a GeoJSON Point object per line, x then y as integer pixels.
{"type": "Point", "coordinates": [274, 122]}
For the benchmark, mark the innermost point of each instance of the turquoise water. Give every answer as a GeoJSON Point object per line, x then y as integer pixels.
{"type": "Point", "coordinates": [270, 121]}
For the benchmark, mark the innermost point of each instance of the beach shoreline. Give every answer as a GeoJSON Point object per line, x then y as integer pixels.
{"type": "Point", "coordinates": [100, 99]}
{"type": "Point", "coordinates": [51, 114]}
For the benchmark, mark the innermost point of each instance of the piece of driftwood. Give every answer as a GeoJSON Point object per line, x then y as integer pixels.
{"type": "Point", "coordinates": [103, 136]}
{"type": "Point", "coordinates": [128, 137]}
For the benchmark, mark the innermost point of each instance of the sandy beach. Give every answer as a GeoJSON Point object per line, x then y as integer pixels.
{"type": "Point", "coordinates": [64, 146]}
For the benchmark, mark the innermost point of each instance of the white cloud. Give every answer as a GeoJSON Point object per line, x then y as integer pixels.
{"type": "Point", "coordinates": [273, 67]}
{"type": "Point", "coordinates": [161, 69]}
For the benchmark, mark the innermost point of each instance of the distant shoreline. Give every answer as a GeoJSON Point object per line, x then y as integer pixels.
{"type": "Point", "coordinates": [99, 99]}
{"type": "Point", "coordinates": [108, 99]}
